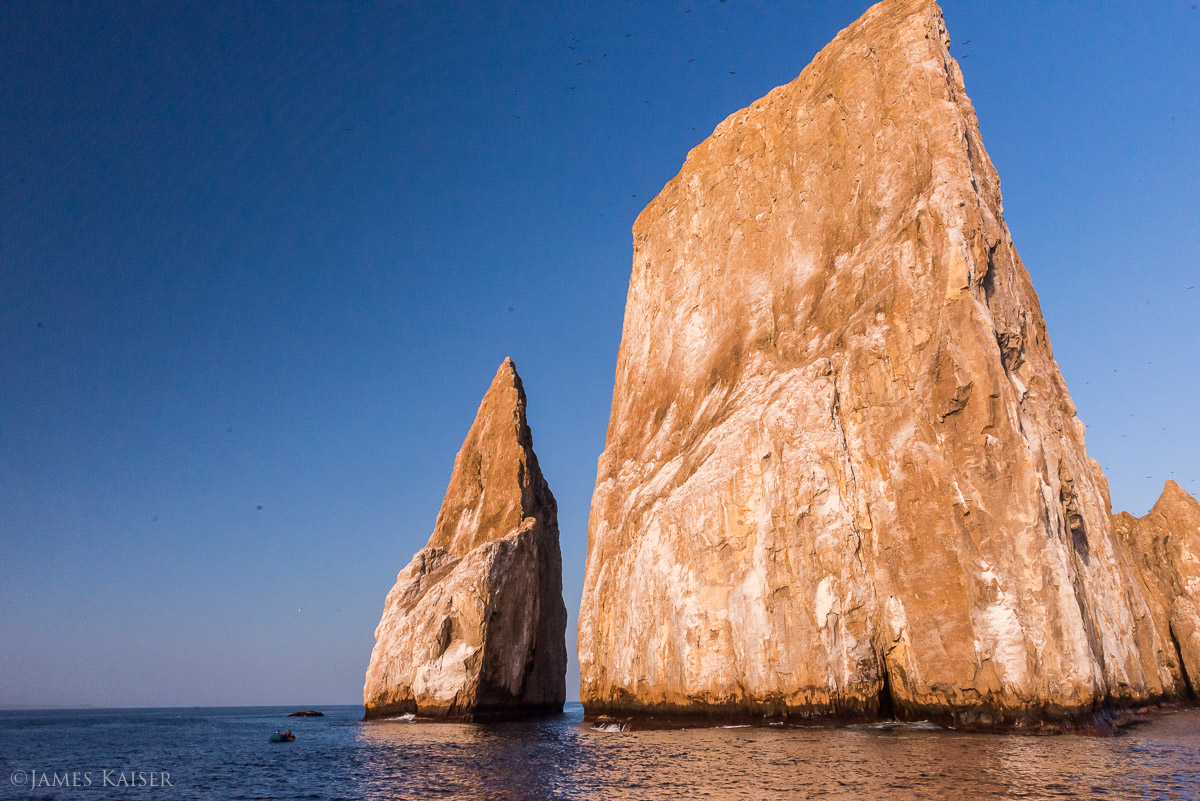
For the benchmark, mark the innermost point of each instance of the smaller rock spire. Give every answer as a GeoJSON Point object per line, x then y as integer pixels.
{"type": "Point", "coordinates": [496, 482]}
{"type": "Point", "coordinates": [474, 627]}
{"type": "Point", "coordinates": [1163, 546]}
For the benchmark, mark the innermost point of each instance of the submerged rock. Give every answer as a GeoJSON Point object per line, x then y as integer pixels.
{"type": "Point", "coordinates": [1165, 548]}
{"type": "Point", "coordinates": [474, 627]}
{"type": "Point", "coordinates": [843, 476]}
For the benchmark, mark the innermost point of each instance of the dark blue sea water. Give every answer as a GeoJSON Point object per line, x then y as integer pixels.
{"type": "Point", "coordinates": [225, 754]}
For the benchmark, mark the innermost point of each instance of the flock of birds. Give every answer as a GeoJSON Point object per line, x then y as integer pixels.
{"type": "Point", "coordinates": [575, 46]}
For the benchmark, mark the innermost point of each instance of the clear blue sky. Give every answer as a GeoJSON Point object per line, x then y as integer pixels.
{"type": "Point", "coordinates": [258, 254]}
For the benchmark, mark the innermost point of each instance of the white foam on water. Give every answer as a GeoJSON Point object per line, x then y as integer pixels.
{"type": "Point", "coordinates": [890, 725]}
{"type": "Point", "coordinates": [609, 727]}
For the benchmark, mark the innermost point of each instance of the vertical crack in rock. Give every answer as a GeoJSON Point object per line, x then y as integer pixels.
{"type": "Point", "coordinates": [1183, 672]}
{"type": "Point", "coordinates": [940, 537]}
{"type": "Point", "coordinates": [474, 628]}
{"type": "Point", "coordinates": [989, 280]}
{"type": "Point", "coordinates": [844, 452]}
{"type": "Point", "coordinates": [1073, 512]}
{"type": "Point", "coordinates": [887, 703]}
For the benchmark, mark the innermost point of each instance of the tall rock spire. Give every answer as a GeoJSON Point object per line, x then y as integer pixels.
{"type": "Point", "coordinates": [474, 627]}
{"type": "Point", "coordinates": [843, 475]}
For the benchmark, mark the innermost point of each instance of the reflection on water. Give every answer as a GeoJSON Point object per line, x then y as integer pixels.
{"type": "Point", "coordinates": [224, 754]}
{"type": "Point", "coordinates": [566, 758]}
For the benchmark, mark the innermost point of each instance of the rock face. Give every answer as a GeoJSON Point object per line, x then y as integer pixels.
{"type": "Point", "coordinates": [1165, 548]}
{"type": "Point", "coordinates": [843, 475]}
{"type": "Point", "coordinates": [474, 628]}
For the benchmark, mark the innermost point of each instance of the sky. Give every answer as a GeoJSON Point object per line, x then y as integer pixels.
{"type": "Point", "coordinates": [259, 262]}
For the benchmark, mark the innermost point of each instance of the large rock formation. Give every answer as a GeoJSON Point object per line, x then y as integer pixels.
{"type": "Point", "coordinates": [843, 475]}
{"type": "Point", "coordinates": [474, 628]}
{"type": "Point", "coordinates": [1165, 548]}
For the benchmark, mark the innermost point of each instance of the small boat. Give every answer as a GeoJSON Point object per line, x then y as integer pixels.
{"type": "Point", "coordinates": [283, 737]}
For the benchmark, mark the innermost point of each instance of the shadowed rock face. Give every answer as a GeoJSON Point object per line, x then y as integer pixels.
{"type": "Point", "coordinates": [1165, 549]}
{"type": "Point", "coordinates": [843, 476]}
{"type": "Point", "coordinates": [474, 628]}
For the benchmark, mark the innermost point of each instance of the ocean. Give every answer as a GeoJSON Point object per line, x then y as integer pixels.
{"type": "Point", "coordinates": [224, 754]}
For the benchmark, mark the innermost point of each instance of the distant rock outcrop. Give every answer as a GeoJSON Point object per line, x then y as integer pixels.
{"type": "Point", "coordinates": [1165, 548]}
{"type": "Point", "coordinates": [311, 713]}
{"type": "Point", "coordinates": [843, 475]}
{"type": "Point", "coordinates": [474, 627]}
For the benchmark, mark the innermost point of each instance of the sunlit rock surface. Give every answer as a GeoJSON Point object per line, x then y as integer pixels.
{"type": "Point", "coordinates": [1165, 548]}
{"type": "Point", "coordinates": [474, 628]}
{"type": "Point", "coordinates": [843, 476]}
